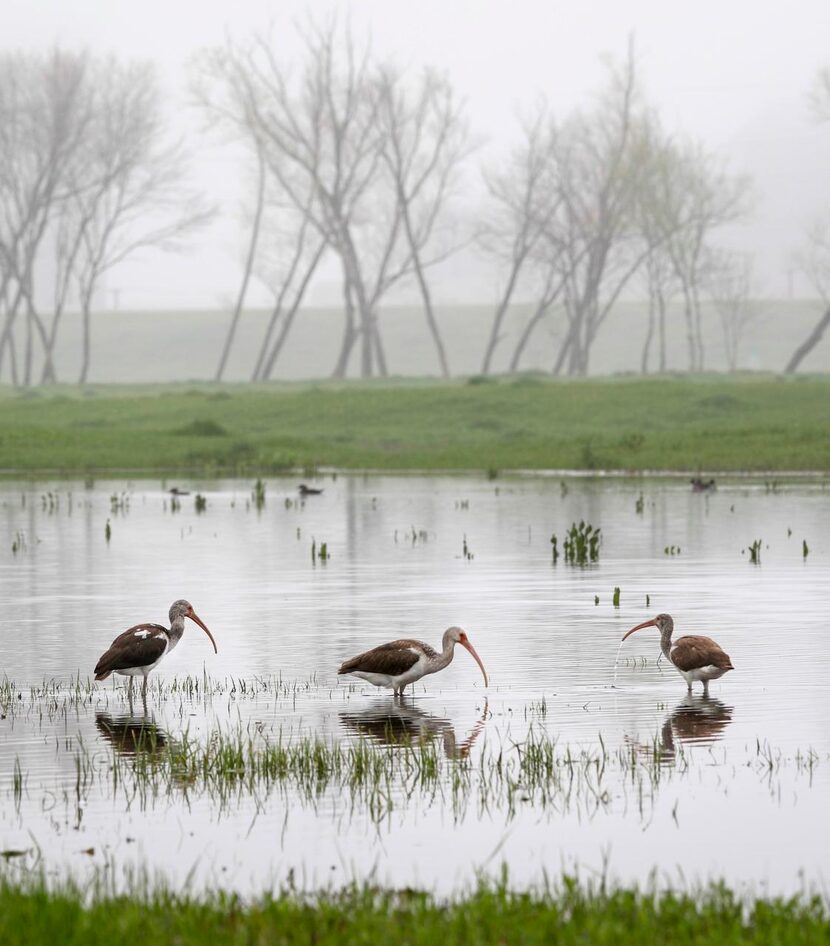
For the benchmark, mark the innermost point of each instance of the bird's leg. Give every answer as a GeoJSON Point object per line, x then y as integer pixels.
{"type": "Point", "coordinates": [689, 686]}
{"type": "Point", "coordinates": [130, 695]}
{"type": "Point", "coordinates": [706, 688]}
{"type": "Point", "coordinates": [144, 689]}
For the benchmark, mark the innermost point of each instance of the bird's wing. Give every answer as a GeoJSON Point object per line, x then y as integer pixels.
{"type": "Point", "coordinates": [693, 652]}
{"type": "Point", "coordinates": [393, 658]}
{"type": "Point", "coordinates": [138, 646]}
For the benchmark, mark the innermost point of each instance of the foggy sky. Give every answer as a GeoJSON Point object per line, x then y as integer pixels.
{"type": "Point", "coordinates": [733, 73]}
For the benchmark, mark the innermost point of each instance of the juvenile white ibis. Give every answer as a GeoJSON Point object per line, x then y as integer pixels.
{"type": "Point", "coordinates": [400, 663]}
{"type": "Point", "coordinates": [309, 490]}
{"type": "Point", "coordinates": [695, 658]}
{"type": "Point", "coordinates": [140, 649]}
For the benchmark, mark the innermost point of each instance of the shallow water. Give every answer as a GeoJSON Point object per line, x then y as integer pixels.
{"type": "Point", "coordinates": [731, 787]}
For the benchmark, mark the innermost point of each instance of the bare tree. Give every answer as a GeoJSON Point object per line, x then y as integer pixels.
{"type": "Point", "coordinates": [424, 141]}
{"type": "Point", "coordinates": [523, 202]}
{"type": "Point", "coordinates": [661, 285]}
{"type": "Point", "coordinates": [603, 163]}
{"type": "Point", "coordinates": [320, 135]}
{"type": "Point", "coordinates": [287, 271]}
{"type": "Point", "coordinates": [43, 118]}
{"type": "Point", "coordinates": [85, 180]}
{"type": "Point", "coordinates": [730, 286]}
{"type": "Point", "coordinates": [138, 198]}
{"type": "Point", "coordinates": [256, 225]}
{"type": "Point", "coordinates": [365, 160]}
{"type": "Point", "coordinates": [698, 197]}
{"type": "Point", "coordinates": [814, 258]}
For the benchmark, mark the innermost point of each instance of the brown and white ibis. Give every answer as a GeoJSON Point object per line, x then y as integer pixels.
{"type": "Point", "coordinates": [695, 658]}
{"type": "Point", "coordinates": [140, 649]}
{"type": "Point", "coordinates": [309, 490]}
{"type": "Point", "coordinates": [399, 663]}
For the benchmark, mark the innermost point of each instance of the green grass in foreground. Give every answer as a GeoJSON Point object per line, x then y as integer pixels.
{"type": "Point", "coordinates": [708, 423]}
{"type": "Point", "coordinates": [368, 916]}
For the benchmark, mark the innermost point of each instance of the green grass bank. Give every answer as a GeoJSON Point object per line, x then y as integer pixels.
{"type": "Point", "coordinates": [488, 916]}
{"type": "Point", "coordinates": [743, 423]}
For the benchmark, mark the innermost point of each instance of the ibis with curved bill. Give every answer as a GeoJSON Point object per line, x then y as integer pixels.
{"type": "Point", "coordinates": [399, 663]}
{"type": "Point", "coordinates": [140, 649]}
{"type": "Point", "coordinates": [695, 658]}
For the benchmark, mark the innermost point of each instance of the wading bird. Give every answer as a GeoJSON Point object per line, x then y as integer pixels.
{"type": "Point", "coordinates": [141, 648]}
{"type": "Point", "coordinates": [695, 658]}
{"type": "Point", "coordinates": [309, 490]}
{"type": "Point", "coordinates": [400, 663]}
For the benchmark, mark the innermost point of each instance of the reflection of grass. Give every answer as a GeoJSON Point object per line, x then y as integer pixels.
{"type": "Point", "coordinates": [567, 912]}
{"type": "Point", "coordinates": [750, 423]}
{"type": "Point", "coordinates": [246, 764]}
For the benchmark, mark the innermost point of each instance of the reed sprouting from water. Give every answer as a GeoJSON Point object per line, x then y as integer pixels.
{"type": "Point", "coordinates": [581, 545]}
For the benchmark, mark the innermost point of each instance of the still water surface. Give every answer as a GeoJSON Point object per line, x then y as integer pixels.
{"type": "Point", "coordinates": [733, 787]}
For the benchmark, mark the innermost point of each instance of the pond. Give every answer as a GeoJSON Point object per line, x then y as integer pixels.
{"type": "Point", "coordinates": [260, 767]}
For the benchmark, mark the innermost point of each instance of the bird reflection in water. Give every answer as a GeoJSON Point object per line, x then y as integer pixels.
{"type": "Point", "coordinates": [695, 721]}
{"type": "Point", "coordinates": [132, 735]}
{"type": "Point", "coordinates": [400, 725]}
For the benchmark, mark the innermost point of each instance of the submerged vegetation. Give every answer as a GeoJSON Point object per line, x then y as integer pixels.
{"type": "Point", "coordinates": [749, 423]}
{"type": "Point", "coordinates": [570, 912]}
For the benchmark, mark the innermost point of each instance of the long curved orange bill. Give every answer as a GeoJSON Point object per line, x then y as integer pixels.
{"type": "Point", "coordinates": [195, 617]}
{"type": "Point", "coordinates": [472, 650]}
{"type": "Point", "coordinates": [639, 626]}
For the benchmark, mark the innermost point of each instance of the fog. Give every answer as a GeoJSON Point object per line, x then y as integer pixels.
{"type": "Point", "coordinates": [735, 79]}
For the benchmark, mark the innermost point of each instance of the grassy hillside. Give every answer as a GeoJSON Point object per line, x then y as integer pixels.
{"type": "Point", "coordinates": [711, 423]}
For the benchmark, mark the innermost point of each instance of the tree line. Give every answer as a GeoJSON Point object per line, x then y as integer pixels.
{"type": "Point", "coordinates": [354, 161]}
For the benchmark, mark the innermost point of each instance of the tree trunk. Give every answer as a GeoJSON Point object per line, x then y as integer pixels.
{"type": "Point", "coordinates": [698, 328]}
{"type": "Point", "coordinates": [661, 325]}
{"type": "Point", "coordinates": [535, 319]}
{"type": "Point", "coordinates": [809, 343]}
{"type": "Point", "coordinates": [425, 293]}
{"type": "Point", "coordinates": [249, 265]}
{"type": "Point", "coordinates": [349, 333]}
{"type": "Point", "coordinates": [86, 321]}
{"type": "Point", "coordinates": [377, 342]}
{"type": "Point", "coordinates": [28, 352]}
{"type": "Point", "coordinates": [690, 331]}
{"type": "Point", "coordinates": [498, 318]}
{"type": "Point", "coordinates": [649, 335]}
{"type": "Point", "coordinates": [264, 372]}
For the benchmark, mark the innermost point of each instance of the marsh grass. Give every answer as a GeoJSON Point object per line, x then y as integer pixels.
{"type": "Point", "coordinates": [742, 423]}
{"type": "Point", "coordinates": [136, 763]}
{"type": "Point", "coordinates": [570, 911]}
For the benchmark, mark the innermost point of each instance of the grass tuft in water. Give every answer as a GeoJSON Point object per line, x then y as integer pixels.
{"type": "Point", "coordinates": [581, 544]}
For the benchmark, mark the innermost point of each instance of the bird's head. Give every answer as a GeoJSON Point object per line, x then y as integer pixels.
{"type": "Point", "coordinates": [457, 635]}
{"type": "Point", "coordinates": [663, 623]}
{"type": "Point", "coordinates": [184, 609]}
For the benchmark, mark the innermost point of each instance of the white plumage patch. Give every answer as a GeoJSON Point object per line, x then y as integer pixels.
{"type": "Point", "coordinates": [142, 634]}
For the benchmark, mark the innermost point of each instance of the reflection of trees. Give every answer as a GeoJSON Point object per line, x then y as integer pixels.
{"type": "Point", "coordinates": [401, 725]}
{"type": "Point", "coordinates": [131, 735]}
